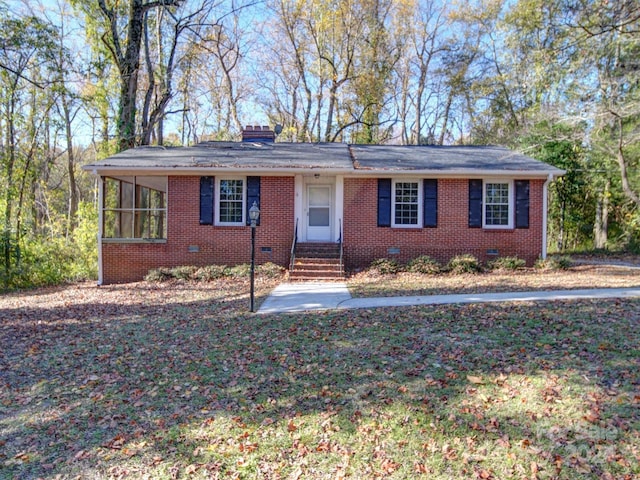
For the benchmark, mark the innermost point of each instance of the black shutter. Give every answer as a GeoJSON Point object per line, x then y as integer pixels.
{"type": "Point", "coordinates": [475, 203]}
{"type": "Point", "coordinates": [253, 195]}
{"type": "Point", "coordinates": [430, 206]}
{"type": "Point", "coordinates": [384, 202]}
{"type": "Point", "coordinates": [522, 203]}
{"type": "Point", "coordinates": [206, 200]}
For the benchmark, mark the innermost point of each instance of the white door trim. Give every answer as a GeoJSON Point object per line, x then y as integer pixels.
{"type": "Point", "coordinates": [320, 213]}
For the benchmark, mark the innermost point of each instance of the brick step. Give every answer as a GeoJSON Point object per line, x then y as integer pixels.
{"type": "Point", "coordinates": [317, 261]}
{"type": "Point", "coordinates": [318, 250]}
{"type": "Point", "coordinates": [316, 279]}
{"type": "Point", "coordinates": [311, 267]}
{"type": "Point", "coordinates": [317, 275]}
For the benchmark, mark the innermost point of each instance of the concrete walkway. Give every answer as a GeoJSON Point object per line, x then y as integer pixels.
{"type": "Point", "coordinates": [301, 297]}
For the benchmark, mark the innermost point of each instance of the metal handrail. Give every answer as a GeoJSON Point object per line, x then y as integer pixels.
{"type": "Point", "coordinates": [293, 247]}
{"type": "Point", "coordinates": [340, 242]}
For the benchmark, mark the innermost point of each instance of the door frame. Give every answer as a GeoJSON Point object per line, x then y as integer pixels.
{"type": "Point", "coordinates": [302, 182]}
{"type": "Point", "coordinates": [307, 207]}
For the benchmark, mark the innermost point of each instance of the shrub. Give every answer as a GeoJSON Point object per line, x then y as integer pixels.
{"type": "Point", "coordinates": [464, 264]}
{"type": "Point", "coordinates": [385, 266]}
{"type": "Point", "coordinates": [161, 274]}
{"type": "Point", "coordinates": [239, 271]}
{"type": "Point", "coordinates": [210, 272]}
{"type": "Point", "coordinates": [270, 270]}
{"type": "Point", "coordinates": [184, 272]}
{"type": "Point", "coordinates": [424, 264]}
{"type": "Point", "coordinates": [554, 263]}
{"type": "Point", "coordinates": [507, 263]}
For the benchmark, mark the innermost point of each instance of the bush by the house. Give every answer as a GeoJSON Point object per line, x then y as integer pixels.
{"type": "Point", "coordinates": [385, 266]}
{"type": "Point", "coordinates": [209, 273]}
{"type": "Point", "coordinates": [507, 263]}
{"type": "Point", "coordinates": [239, 271]}
{"type": "Point", "coordinates": [184, 272]}
{"type": "Point", "coordinates": [424, 264]}
{"type": "Point", "coordinates": [463, 264]}
{"type": "Point", "coordinates": [554, 263]}
{"type": "Point", "coordinates": [161, 274]}
{"type": "Point", "coordinates": [270, 270]}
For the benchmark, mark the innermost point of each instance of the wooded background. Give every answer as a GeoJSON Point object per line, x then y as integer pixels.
{"type": "Point", "coordinates": [558, 80]}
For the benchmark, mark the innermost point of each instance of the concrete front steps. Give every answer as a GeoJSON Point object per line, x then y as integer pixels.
{"type": "Point", "coordinates": [316, 262]}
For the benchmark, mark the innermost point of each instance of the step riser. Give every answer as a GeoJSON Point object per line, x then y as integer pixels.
{"type": "Point", "coordinates": [317, 261]}
{"type": "Point", "coordinates": [316, 268]}
{"type": "Point", "coordinates": [298, 275]}
{"type": "Point", "coordinates": [293, 278]}
{"type": "Point", "coordinates": [314, 254]}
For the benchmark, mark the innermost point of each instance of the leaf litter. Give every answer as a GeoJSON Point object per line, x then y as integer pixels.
{"type": "Point", "coordinates": [180, 381]}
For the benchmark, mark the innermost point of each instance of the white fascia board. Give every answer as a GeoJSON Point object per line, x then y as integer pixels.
{"type": "Point", "coordinates": [171, 171]}
{"type": "Point", "coordinates": [348, 173]}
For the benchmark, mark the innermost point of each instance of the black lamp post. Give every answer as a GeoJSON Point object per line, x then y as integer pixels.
{"type": "Point", "coordinates": [254, 214]}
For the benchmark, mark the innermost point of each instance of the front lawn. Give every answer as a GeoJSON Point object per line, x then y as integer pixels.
{"type": "Point", "coordinates": [178, 380]}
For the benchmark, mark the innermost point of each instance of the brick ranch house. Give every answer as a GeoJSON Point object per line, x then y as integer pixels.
{"type": "Point", "coordinates": [172, 206]}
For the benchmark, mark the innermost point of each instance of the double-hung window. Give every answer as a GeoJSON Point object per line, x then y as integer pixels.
{"type": "Point", "coordinates": [231, 201]}
{"type": "Point", "coordinates": [406, 204]}
{"type": "Point", "coordinates": [498, 204]}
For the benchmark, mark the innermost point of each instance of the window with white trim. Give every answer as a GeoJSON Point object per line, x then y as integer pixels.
{"type": "Point", "coordinates": [134, 207]}
{"type": "Point", "coordinates": [498, 204]}
{"type": "Point", "coordinates": [230, 202]}
{"type": "Point", "coordinates": [406, 204]}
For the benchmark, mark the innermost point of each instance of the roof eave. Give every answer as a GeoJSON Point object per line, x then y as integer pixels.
{"type": "Point", "coordinates": [284, 171]}
{"type": "Point", "coordinates": [182, 171]}
{"type": "Point", "coordinates": [461, 173]}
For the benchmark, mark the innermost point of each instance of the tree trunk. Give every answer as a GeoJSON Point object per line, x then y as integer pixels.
{"type": "Point", "coordinates": [71, 169]}
{"type": "Point", "coordinates": [622, 163]}
{"type": "Point", "coordinates": [601, 223]}
{"type": "Point", "coordinates": [129, 68]}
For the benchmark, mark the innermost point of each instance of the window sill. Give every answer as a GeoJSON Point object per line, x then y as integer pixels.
{"type": "Point", "coordinates": [498, 229]}
{"type": "Point", "coordinates": [134, 240]}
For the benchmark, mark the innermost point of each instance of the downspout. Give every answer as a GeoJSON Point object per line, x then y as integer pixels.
{"type": "Point", "coordinates": [100, 226]}
{"type": "Point", "coordinates": [545, 207]}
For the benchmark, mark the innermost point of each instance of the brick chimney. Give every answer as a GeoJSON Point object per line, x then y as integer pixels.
{"type": "Point", "coordinates": [256, 133]}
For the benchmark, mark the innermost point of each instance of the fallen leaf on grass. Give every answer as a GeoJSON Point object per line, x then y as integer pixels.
{"type": "Point", "coordinates": [474, 379]}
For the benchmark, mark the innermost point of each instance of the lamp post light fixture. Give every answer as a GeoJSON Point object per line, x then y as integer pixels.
{"type": "Point", "coordinates": [254, 214]}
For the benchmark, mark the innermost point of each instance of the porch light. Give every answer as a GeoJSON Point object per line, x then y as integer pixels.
{"type": "Point", "coordinates": [254, 214]}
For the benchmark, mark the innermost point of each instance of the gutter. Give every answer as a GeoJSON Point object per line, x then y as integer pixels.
{"type": "Point", "coordinates": [545, 213]}
{"type": "Point", "coordinates": [350, 173]}
{"type": "Point", "coordinates": [100, 228]}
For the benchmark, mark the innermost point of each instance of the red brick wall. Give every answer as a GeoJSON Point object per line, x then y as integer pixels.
{"type": "Point", "coordinates": [364, 241]}
{"type": "Point", "coordinates": [126, 262]}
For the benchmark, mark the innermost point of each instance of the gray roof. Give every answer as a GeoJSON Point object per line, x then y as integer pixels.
{"type": "Point", "coordinates": [335, 157]}
{"type": "Point", "coordinates": [445, 158]}
{"type": "Point", "coordinates": [233, 155]}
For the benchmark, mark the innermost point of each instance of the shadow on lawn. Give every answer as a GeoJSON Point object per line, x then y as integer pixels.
{"type": "Point", "coordinates": [131, 388]}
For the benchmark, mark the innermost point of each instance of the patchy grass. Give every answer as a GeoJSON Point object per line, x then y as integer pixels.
{"type": "Point", "coordinates": [372, 284]}
{"type": "Point", "coordinates": [179, 381]}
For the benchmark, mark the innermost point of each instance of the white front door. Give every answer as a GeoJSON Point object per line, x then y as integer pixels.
{"type": "Point", "coordinates": [319, 213]}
